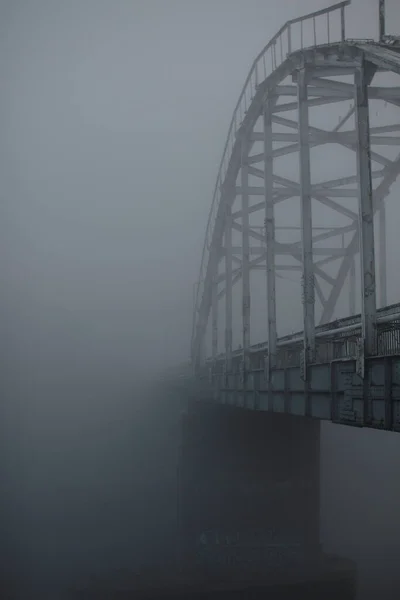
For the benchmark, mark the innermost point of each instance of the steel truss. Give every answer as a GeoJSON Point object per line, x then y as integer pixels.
{"type": "Point", "coordinates": [313, 73]}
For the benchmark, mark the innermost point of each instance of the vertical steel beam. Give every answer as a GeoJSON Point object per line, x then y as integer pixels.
{"type": "Point", "coordinates": [306, 219]}
{"type": "Point", "coordinates": [382, 20]}
{"type": "Point", "coordinates": [342, 24]}
{"type": "Point", "coordinates": [270, 234]}
{"type": "Point", "coordinates": [352, 287]}
{"type": "Point", "coordinates": [245, 261]}
{"type": "Point", "coordinates": [214, 318]}
{"type": "Point", "coordinates": [228, 289]}
{"type": "Point", "coordinates": [382, 255]}
{"type": "Point", "coordinates": [366, 212]}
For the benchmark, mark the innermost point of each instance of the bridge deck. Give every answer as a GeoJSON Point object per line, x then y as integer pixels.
{"type": "Point", "coordinates": [341, 386]}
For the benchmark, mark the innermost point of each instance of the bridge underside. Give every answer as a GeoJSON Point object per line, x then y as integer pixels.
{"type": "Point", "coordinates": [335, 391]}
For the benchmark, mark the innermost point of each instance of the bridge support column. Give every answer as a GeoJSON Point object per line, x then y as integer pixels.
{"type": "Point", "coordinates": [228, 290]}
{"type": "Point", "coordinates": [366, 212]}
{"type": "Point", "coordinates": [306, 221]}
{"type": "Point", "coordinates": [245, 268]}
{"type": "Point", "coordinates": [231, 468]}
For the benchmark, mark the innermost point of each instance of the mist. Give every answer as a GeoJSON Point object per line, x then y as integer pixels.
{"type": "Point", "coordinates": [113, 119]}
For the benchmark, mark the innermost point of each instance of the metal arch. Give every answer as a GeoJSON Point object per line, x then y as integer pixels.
{"type": "Point", "coordinates": [238, 121]}
{"type": "Point", "coordinates": [345, 55]}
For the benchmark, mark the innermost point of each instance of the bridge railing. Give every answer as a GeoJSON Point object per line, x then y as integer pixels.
{"type": "Point", "coordinates": [295, 35]}
{"type": "Point", "coordinates": [339, 329]}
{"type": "Point", "coordinates": [340, 342]}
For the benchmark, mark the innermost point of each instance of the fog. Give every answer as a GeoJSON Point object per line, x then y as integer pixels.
{"type": "Point", "coordinates": [113, 119]}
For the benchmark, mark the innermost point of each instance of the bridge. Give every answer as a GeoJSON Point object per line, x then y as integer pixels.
{"type": "Point", "coordinates": [278, 217]}
{"type": "Point", "coordinates": [248, 436]}
{"type": "Point", "coordinates": [304, 181]}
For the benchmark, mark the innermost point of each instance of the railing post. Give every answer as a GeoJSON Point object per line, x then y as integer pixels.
{"type": "Point", "coordinates": [270, 239]}
{"type": "Point", "coordinates": [245, 267]}
{"type": "Point", "coordinates": [382, 20]}
{"type": "Point", "coordinates": [306, 221]}
{"type": "Point", "coordinates": [366, 212]}
{"type": "Point", "coordinates": [328, 27]}
{"type": "Point", "coordinates": [228, 290]}
{"type": "Point", "coordinates": [343, 23]}
{"type": "Point", "coordinates": [289, 31]}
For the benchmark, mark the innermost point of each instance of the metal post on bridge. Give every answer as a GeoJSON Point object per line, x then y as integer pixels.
{"type": "Point", "coordinates": [270, 240]}
{"type": "Point", "coordinates": [366, 212]}
{"type": "Point", "coordinates": [228, 290]}
{"type": "Point", "coordinates": [306, 221]}
{"type": "Point", "coordinates": [351, 281]}
{"type": "Point", "coordinates": [352, 287]}
{"type": "Point", "coordinates": [382, 255]}
{"type": "Point", "coordinates": [245, 267]}
{"type": "Point", "coordinates": [343, 23]}
{"type": "Point", "coordinates": [382, 20]}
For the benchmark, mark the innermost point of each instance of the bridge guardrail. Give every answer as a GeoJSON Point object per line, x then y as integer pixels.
{"type": "Point", "coordinates": [329, 329]}
{"type": "Point", "coordinates": [290, 38]}
{"type": "Point", "coordinates": [343, 345]}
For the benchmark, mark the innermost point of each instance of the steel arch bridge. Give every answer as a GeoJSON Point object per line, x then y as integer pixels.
{"type": "Point", "coordinates": [309, 91]}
